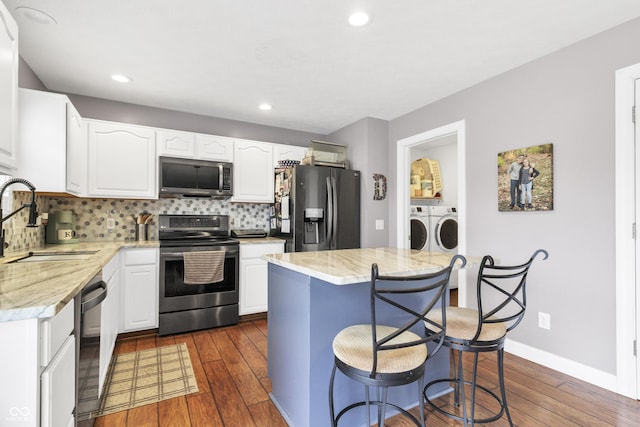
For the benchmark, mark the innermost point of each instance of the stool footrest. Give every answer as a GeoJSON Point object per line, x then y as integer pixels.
{"type": "Point", "coordinates": [448, 414]}
{"type": "Point", "coordinates": [379, 404]}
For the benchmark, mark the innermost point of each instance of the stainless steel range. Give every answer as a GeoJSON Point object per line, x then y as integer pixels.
{"type": "Point", "coordinates": [188, 307]}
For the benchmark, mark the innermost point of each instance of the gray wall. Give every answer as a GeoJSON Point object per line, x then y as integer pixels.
{"type": "Point", "coordinates": [566, 98]}
{"type": "Point", "coordinates": [27, 78]}
{"type": "Point", "coordinates": [368, 143]}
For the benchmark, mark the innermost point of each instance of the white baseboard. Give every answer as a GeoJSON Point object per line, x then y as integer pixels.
{"type": "Point", "coordinates": [565, 366]}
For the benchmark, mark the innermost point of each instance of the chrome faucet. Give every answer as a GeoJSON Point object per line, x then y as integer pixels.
{"type": "Point", "coordinates": [33, 213]}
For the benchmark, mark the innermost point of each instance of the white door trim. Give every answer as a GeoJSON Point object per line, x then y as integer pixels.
{"type": "Point", "coordinates": [626, 362]}
{"type": "Point", "coordinates": [403, 168]}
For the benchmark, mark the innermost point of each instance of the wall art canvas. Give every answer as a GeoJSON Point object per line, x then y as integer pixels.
{"type": "Point", "coordinates": [525, 179]}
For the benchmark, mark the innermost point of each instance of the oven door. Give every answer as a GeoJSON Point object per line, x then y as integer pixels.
{"type": "Point", "coordinates": [176, 296]}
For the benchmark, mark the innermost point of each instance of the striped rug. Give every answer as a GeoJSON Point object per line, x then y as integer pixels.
{"type": "Point", "coordinates": [147, 376]}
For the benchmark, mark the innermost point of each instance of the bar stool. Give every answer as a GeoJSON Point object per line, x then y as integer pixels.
{"type": "Point", "coordinates": [385, 354]}
{"type": "Point", "coordinates": [501, 296]}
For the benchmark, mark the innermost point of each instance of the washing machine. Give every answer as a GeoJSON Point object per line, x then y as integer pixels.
{"type": "Point", "coordinates": [420, 228]}
{"type": "Point", "coordinates": [443, 222]}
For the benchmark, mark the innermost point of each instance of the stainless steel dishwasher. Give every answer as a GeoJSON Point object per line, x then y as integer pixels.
{"type": "Point", "coordinates": [88, 350]}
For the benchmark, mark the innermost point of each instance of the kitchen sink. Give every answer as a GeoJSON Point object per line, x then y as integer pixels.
{"type": "Point", "coordinates": [56, 256]}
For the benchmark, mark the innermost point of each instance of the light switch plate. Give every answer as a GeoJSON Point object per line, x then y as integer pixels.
{"type": "Point", "coordinates": [379, 224]}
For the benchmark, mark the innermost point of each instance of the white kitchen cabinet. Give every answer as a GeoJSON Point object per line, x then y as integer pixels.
{"type": "Point", "coordinates": [122, 160]}
{"type": "Point", "coordinates": [76, 152]}
{"type": "Point", "coordinates": [8, 89]}
{"type": "Point", "coordinates": [38, 373]}
{"type": "Point", "coordinates": [254, 277]}
{"type": "Point", "coordinates": [58, 387]}
{"type": "Point", "coordinates": [176, 144]}
{"type": "Point", "coordinates": [194, 145]}
{"type": "Point", "coordinates": [211, 147]}
{"type": "Point", "coordinates": [51, 140]}
{"type": "Point", "coordinates": [110, 317]}
{"type": "Point", "coordinates": [140, 289]}
{"type": "Point", "coordinates": [252, 171]}
{"type": "Point", "coordinates": [287, 152]}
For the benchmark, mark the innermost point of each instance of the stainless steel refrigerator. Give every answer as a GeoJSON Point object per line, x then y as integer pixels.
{"type": "Point", "coordinates": [317, 208]}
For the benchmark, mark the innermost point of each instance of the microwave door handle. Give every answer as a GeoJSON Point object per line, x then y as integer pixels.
{"type": "Point", "coordinates": [220, 177]}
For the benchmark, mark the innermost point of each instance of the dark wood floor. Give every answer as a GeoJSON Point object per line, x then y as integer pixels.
{"type": "Point", "coordinates": [231, 368]}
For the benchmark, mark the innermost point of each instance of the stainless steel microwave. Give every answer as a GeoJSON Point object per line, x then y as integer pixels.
{"type": "Point", "coordinates": [194, 178]}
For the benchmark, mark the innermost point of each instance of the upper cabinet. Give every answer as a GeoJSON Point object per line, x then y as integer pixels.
{"type": "Point", "coordinates": [211, 147]}
{"type": "Point", "coordinates": [287, 152]}
{"type": "Point", "coordinates": [252, 171]}
{"type": "Point", "coordinates": [51, 151]}
{"type": "Point", "coordinates": [8, 89]}
{"type": "Point", "coordinates": [194, 146]}
{"type": "Point", "coordinates": [122, 160]}
{"type": "Point", "coordinates": [176, 144]}
{"type": "Point", "coordinates": [76, 152]}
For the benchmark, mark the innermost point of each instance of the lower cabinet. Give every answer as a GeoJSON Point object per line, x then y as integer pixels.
{"type": "Point", "coordinates": [58, 388]}
{"type": "Point", "coordinates": [37, 371]}
{"type": "Point", "coordinates": [110, 317]}
{"type": "Point", "coordinates": [58, 360]}
{"type": "Point", "coordinates": [140, 289]}
{"type": "Point", "coordinates": [253, 276]}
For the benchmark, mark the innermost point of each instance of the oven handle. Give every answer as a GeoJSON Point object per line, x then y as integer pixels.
{"type": "Point", "coordinates": [181, 254]}
{"type": "Point", "coordinates": [88, 304]}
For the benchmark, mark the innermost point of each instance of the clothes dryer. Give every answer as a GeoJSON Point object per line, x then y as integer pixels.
{"type": "Point", "coordinates": [444, 229]}
{"type": "Point", "coordinates": [420, 228]}
{"type": "Point", "coordinates": [444, 234]}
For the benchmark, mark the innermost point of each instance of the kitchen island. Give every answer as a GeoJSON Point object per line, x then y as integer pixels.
{"type": "Point", "coordinates": [312, 296]}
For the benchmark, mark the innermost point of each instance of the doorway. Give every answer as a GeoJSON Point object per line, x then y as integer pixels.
{"type": "Point", "coordinates": [455, 131]}
{"type": "Point", "coordinates": [627, 203]}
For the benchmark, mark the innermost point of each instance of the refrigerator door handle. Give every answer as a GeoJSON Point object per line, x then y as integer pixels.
{"type": "Point", "coordinates": [329, 212]}
{"type": "Point", "coordinates": [334, 223]}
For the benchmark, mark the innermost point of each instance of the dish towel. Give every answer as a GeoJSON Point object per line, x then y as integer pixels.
{"type": "Point", "coordinates": [203, 267]}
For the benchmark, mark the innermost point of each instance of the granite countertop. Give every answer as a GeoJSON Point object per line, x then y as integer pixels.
{"type": "Point", "coordinates": [41, 289]}
{"type": "Point", "coordinates": [347, 266]}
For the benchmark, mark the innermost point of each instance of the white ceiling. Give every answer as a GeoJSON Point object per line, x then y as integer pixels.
{"type": "Point", "coordinates": [222, 58]}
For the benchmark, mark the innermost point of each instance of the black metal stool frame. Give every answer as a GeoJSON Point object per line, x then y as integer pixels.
{"type": "Point", "coordinates": [488, 275]}
{"type": "Point", "coordinates": [440, 283]}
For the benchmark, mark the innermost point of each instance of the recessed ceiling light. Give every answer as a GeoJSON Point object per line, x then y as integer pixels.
{"type": "Point", "coordinates": [121, 78]}
{"type": "Point", "coordinates": [358, 19]}
{"type": "Point", "coordinates": [35, 15]}
{"type": "Point", "coordinates": [265, 107]}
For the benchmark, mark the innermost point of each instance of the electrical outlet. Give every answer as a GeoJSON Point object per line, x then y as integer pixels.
{"type": "Point", "coordinates": [111, 223]}
{"type": "Point", "coordinates": [379, 224]}
{"type": "Point", "coordinates": [544, 320]}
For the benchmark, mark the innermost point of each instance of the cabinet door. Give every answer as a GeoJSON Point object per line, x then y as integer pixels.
{"type": "Point", "coordinates": [254, 276]}
{"type": "Point", "coordinates": [76, 152]}
{"type": "Point", "coordinates": [253, 286]}
{"type": "Point", "coordinates": [110, 313]}
{"type": "Point", "coordinates": [140, 297]}
{"type": "Point", "coordinates": [58, 387]}
{"type": "Point", "coordinates": [209, 147]}
{"type": "Point", "coordinates": [176, 144]}
{"type": "Point", "coordinates": [42, 141]}
{"type": "Point", "coordinates": [8, 88]}
{"type": "Point", "coordinates": [287, 152]}
{"type": "Point", "coordinates": [122, 160]}
{"type": "Point", "coordinates": [252, 172]}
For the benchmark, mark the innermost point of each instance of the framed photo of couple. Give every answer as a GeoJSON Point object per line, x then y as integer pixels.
{"type": "Point", "coordinates": [525, 179]}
